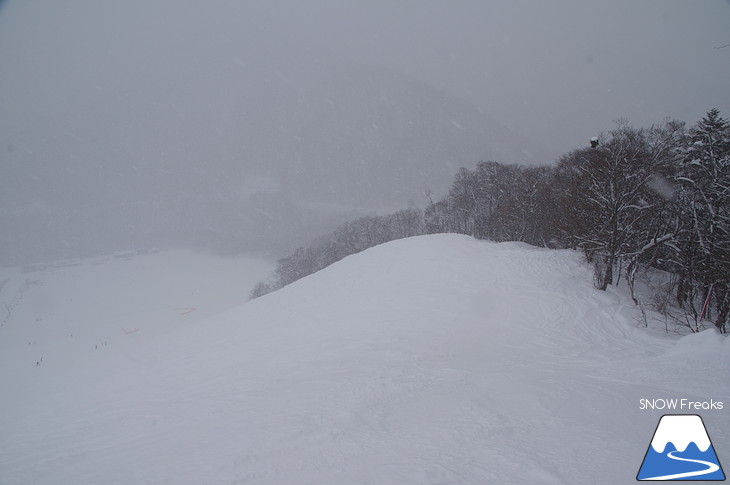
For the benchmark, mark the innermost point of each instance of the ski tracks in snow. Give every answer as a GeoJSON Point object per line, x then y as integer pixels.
{"type": "Point", "coordinates": [434, 360]}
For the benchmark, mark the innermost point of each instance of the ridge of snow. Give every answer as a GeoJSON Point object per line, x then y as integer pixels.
{"type": "Point", "coordinates": [434, 359]}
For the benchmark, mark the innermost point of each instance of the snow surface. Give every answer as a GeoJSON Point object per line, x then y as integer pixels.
{"type": "Point", "coordinates": [431, 360]}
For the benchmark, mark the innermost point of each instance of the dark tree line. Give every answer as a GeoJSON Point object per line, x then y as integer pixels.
{"type": "Point", "coordinates": [637, 198]}
{"type": "Point", "coordinates": [642, 197]}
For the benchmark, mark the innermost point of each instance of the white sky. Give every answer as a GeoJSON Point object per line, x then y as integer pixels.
{"type": "Point", "coordinates": [108, 108]}
{"type": "Point", "coordinates": [555, 71]}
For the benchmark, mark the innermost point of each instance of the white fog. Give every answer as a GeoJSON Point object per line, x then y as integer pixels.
{"type": "Point", "coordinates": [152, 123]}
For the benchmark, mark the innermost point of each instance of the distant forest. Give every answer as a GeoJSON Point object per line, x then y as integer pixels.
{"type": "Point", "coordinates": [636, 198]}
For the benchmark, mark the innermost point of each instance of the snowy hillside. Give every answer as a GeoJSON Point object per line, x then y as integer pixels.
{"type": "Point", "coordinates": [79, 306]}
{"type": "Point", "coordinates": [430, 360]}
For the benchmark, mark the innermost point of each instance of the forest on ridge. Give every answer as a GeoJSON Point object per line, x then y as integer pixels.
{"type": "Point", "coordinates": [637, 198]}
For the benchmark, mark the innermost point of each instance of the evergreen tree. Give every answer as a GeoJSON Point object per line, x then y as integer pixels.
{"type": "Point", "coordinates": [704, 205]}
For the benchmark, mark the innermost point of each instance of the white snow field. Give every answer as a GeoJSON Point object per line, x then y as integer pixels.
{"type": "Point", "coordinates": [431, 360]}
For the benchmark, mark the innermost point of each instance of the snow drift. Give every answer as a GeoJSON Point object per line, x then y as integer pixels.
{"type": "Point", "coordinates": [435, 359]}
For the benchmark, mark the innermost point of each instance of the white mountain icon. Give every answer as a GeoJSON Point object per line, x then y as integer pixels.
{"type": "Point", "coordinates": [680, 430]}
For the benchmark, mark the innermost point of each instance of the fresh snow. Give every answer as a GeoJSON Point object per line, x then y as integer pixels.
{"type": "Point", "coordinates": [431, 360]}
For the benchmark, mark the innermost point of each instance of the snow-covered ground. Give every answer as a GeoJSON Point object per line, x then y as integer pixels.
{"type": "Point", "coordinates": [52, 310]}
{"type": "Point", "coordinates": [430, 360]}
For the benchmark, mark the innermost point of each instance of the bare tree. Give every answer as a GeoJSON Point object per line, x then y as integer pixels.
{"type": "Point", "coordinates": [618, 212]}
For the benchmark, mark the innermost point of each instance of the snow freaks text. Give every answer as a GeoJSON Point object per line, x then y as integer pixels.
{"type": "Point", "coordinates": [679, 404]}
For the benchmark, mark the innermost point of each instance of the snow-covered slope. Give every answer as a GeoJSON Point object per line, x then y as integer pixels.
{"type": "Point", "coordinates": [430, 360]}
{"type": "Point", "coordinates": [77, 307]}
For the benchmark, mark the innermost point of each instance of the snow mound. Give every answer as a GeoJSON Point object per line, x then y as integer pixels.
{"type": "Point", "coordinates": [436, 359]}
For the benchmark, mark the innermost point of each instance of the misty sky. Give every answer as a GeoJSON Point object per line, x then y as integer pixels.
{"type": "Point", "coordinates": [103, 103]}
{"type": "Point", "coordinates": [554, 71]}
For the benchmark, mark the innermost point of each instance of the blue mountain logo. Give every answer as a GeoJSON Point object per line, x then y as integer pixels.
{"type": "Point", "coordinates": [681, 450]}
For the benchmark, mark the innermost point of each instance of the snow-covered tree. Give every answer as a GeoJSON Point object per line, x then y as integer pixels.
{"type": "Point", "coordinates": [614, 213]}
{"type": "Point", "coordinates": [704, 206]}
{"type": "Point", "coordinates": [349, 238]}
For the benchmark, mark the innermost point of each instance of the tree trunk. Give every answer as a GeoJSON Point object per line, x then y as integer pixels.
{"type": "Point", "coordinates": [631, 270]}
{"type": "Point", "coordinates": [608, 272]}
{"type": "Point", "coordinates": [723, 308]}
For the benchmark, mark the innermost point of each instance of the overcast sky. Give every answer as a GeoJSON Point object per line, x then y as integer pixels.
{"type": "Point", "coordinates": [116, 108]}
{"type": "Point", "coordinates": [555, 71]}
